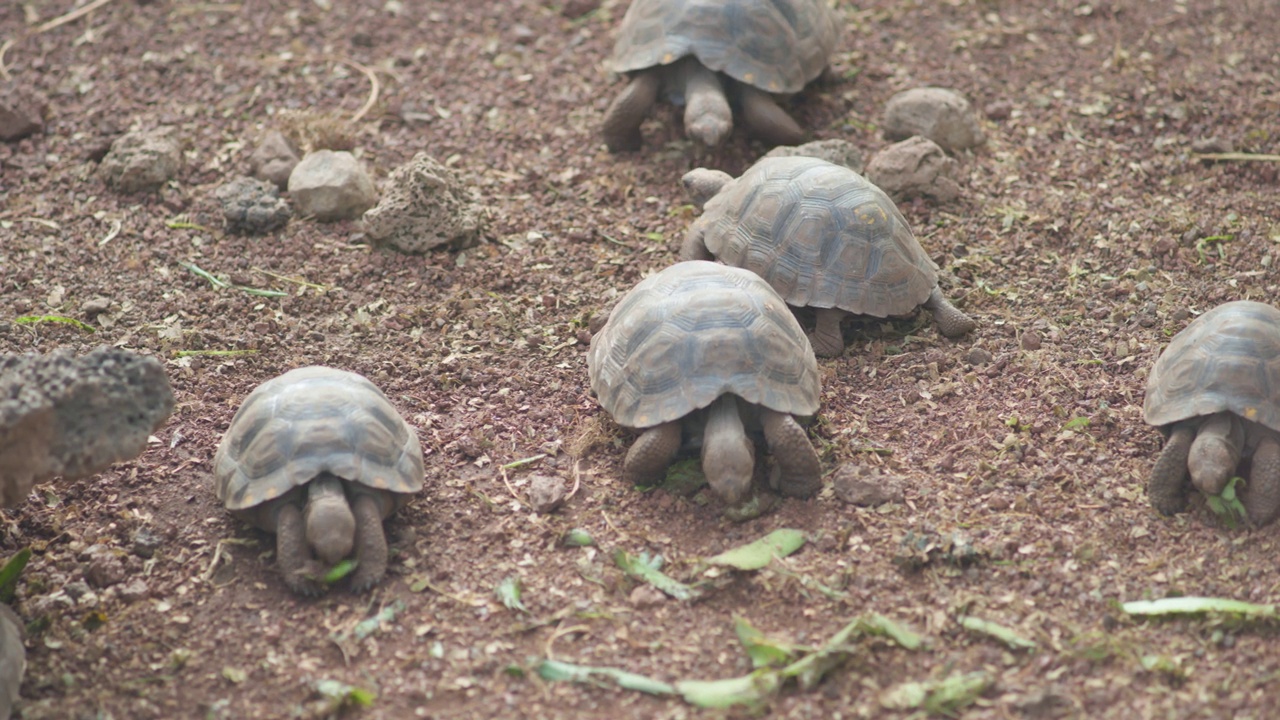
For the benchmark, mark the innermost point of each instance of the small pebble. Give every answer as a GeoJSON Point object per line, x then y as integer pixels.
{"type": "Point", "coordinates": [145, 542]}
{"type": "Point", "coordinates": [644, 596]}
{"type": "Point", "coordinates": [978, 356]}
{"type": "Point", "coordinates": [865, 486]}
{"type": "Point", "coordinates": [133, 591]}
{"type": "Point", "coordinates": [1031, 340]}
{"type": "Point", "coordinates": [547, 493]}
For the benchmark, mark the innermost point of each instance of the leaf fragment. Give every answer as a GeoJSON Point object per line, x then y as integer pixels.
{"type": "Point", "coordinates": [1198, 605]}
{"type": "Point", "coordinates": [341, 695]}
{"type": "Point", "coordinates": [997, 631]}
{"type": "Point", "coordinates": [555, 670]}
{"type": "Point", "coordinates": [647, 568]}
{"type": "Point", "coordinates": [757, 554]}
{"type": "Point", "coordinates": [509, 592]}
{"type": "Point", "coordinates": [10, 572]}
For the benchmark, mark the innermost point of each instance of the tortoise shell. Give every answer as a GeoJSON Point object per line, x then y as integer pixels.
{"type": "Point", "coordinates": [693, 332]}
{"type": "Point", "coordinates": [821, 234]}
{"type": "Point", "coordinates": [1226, 359]}
{"type": "Point", "coordinates": [308, 421]}
{"type": "Point", "coordinates": [775, 45]}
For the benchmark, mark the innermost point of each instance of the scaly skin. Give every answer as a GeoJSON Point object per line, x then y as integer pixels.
{"type": "Point", "coordinates": [951, 322]}
{"type": "Point", "coordinates": [728, 456]}
{"type": "Point", "coordinates": [707, 115]}
{"type": "Point", "coordinates": [766, 120]}
{"type": "Point", "coordinates": [800, 470]}
{"type": "Point", "coordinates": [651, 453]}
{"type": "Point", "coordinates": [1169, 485]}
{"type": "Point", "coordinates": [827, 339]}
{"type": "Point", "coordinates": [622, 120]}
{"type": "Point", "coordinates": [292, 554]}
{"type": "Point", "coordinates": [1261, 497]}
{"type": "Point", "coordinates": [370, 544]}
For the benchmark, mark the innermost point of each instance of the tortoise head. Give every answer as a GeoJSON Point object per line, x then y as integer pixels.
{"type": "Point", "coordinates": [702, 184]}
{"type": "Point", "coordinates": [331, 528]}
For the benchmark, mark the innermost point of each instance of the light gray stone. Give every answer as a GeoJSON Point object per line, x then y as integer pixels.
{"type": "Point", "coordinates": [68, 416]}
{"type": "Point", "coordinates": [331, 185]}
{"type": "Point", "coordinates": [942, 115]}
{"type": "Point", "coordinates": [426, 205]}
{"type": "Point", "coordinates": [273, 160]}
{"type": "Point", "coordinates": [142, 161]}
{"type": "Point", "coordinates": [252, 207]}
{"type": "Point", "coordinates": [835, 150]}
{"type": "Point", "coordinates": [22, 111]}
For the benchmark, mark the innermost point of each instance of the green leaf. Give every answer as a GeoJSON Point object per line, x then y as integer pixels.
{"type": "Point", "coordinates": [751, 690]}
{"type": "Point", "coordinates": [234, 674]}
{"type": "Point", "coordinates": [684, 477]}
{"type": "Point", "coordinates": [1197, 605]}
{"type": "Point", "coordinates": [881, 625]}
{"type": "Point", "coordinates": [36, 319]}
{"type": "Point", "coordinates": [999, 632]}
{"type": "Point", "coordinates": [10, 572]}
{"type": "Point", "coordinates": [1076, 423]}
{"type": "Point", "coordinates": [339, 571]}
{"type": "Point", "coordinates": [368, 626]}
{"type": "Point", "coordinates": [578, 537]}
{"type": "Point", "coordinates": [554, 670]}
{"type": "Point", "coordinates": [1227, 505]}
{"type": "Point", "coordinates": [648, 569]}
{"type": "Point", "coordinates": [762, 651]}
{"type": "Point", "coordinates": [755, 555]}
{"type": "Point", "coordinates": [342, 695]}
{"type": "Point", "coordinates": [943, 697]}
{"type": "Point", "coordinates": [509, 591]}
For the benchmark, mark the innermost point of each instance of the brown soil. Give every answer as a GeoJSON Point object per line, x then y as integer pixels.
{"type": "Point", "coordinates": [1086, 224]}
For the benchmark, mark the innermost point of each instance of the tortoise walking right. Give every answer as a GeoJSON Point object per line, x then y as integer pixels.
{"type": "Point", "coordinates": [319, 457]}
{"type": "Point", "coordinates": [709, 52]}
{"type": "Point", "coordinates": [823, 237]}
{"type": "Point", "coordinates": [702, 344]}
{"type": "Point", "coordinates": [1215, 393]}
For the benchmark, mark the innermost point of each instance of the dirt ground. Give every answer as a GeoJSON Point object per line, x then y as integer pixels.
{"type": "Point", "coordinates": [1086, 236]}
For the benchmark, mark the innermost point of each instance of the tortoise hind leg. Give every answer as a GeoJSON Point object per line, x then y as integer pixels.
{"type": "Point", "coordinates": [766, 120]}
{"type": "Point", "coordinates": [1262, 493]}
{"type": "Point", "coordinates": [951, 322]}
{"type": "Point", "coordinates": [800, 470]}
{"type": "Point", "coordinates": [371, 544]}
{"type": "Point", "coordinates": [1169, 485]}
{"type": "Point", "coordinates": [292, 554]}
{"type": "Point", "coordinates": [827, 338]}
{"type": "Point", "coordinates": [622, 120]}
{"type": "Point", "coordinates": [651, 453]}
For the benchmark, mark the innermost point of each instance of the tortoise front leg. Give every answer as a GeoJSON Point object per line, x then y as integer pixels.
{"type": "Point", "coordinates": [622, 120]}
{"type": "Point", "coordinates": [800, 470]}
{"type": "Point", "coordinates": [695, 246]}
{"type": "Point", "coordinates": [1169, 485]}
{"type": "Point", "coordinates": [292, 554]}
{"type": "Point", "coordinates": [827, 340]}
{"type": "Point", "coordinates": [651, 453]}
{"type": "Point", "coordinates": [766, 120]}
{"type": "Point", "coordinates": [951, 322]}
{"type": "Point", "coordinates": [1262, 493]}
{"type": "Point", "coordinates": [371, 545]}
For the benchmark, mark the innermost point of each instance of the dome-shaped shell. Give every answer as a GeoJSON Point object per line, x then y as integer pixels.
{"type": "Point", "coordinates": [308, 421]}
{"type": "Point", "coordinates": [822, 235]}
{"type": "Point", "coordinates": [775, 45]}
{"type": "Point", "coordinates": [1226, 359]}
{"type": "Point", "coordinates": [693, 332]}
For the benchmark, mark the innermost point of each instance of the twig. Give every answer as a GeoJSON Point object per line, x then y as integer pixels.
{"type": "Point", "coordinates": [1241, 156]}
{"type": "Point", "coordinates": [523, 461]}
{"type": "Point", "coordinates": [510, 489]}
{"type": "Point", "coordinates": [70, 17]}
{"type": "Point", "coordinates": [560, 632]}
{"type": "Point", "coordinates": [577, 480]}
{"type": "Point", "coordinates": [295, 281]}
{"type": "Point", "coordinates": [373, 92]}
{"type": "Point", "coordinates": [4, 48]}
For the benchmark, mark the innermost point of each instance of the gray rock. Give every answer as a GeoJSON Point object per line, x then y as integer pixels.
{"type": "Point", "coordinates": [426, 205]}
{"type": "Point", "coordinates": [547, 493]}
{"type": "Point", "coordinates": [329, 185]}
{"type": "Point", "coordinates": [865, 486]}
{"type": "Point", "coordinates": [252, 207]}
{"type": "Point", "coordinates": [104, 570]}
{"type": "Point", "coordinates": [62, 415]}
{"type": "Point", "coordinates": [942, 115]}
{"type": "Point", "coordinates": [22, 111]}
{"type": "Point", "coordinates": [146, 541]}
{"type": "Point", "coordinates": [134, 590]}
{"type": "Point", "coordinates": [13, 659]}
{"type": "Point", "coordinates": [142, 161]}
{"type": "Point", "coordinates": [914, 168]}
{"type": "Point", "coordinates": [839, 152]}
{"type": "Point", "coordinates": [273, 160]}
